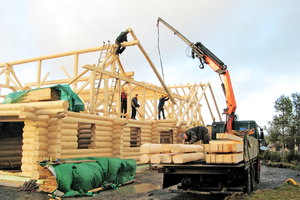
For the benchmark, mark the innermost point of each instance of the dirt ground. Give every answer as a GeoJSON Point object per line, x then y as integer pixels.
{"type": "Point", "coordinates": [149, 189]}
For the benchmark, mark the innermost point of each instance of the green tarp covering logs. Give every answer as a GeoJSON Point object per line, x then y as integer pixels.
{"type": "Point", "coordinates": [75, 179]}
{"type": "Point", "coordinates": [67, 94]}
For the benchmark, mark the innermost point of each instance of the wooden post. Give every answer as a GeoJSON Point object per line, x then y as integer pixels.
{"type": "Point", "coordinates": [188, 105]}
{"type": "Point", "coordinates": [198, 103]}
{"type": "Point", "coordinates": [39, 69]}
{"type": "Point", "coordinates": [153, 67]}
{"type": "Point", "coordinates": [129, 96]}
{"type": "Point", "coordinates": [142, 102]}
{"type": "Point", "coordinates": [213, 96]}
{"type": "Point", "coordinates": [155, 104]}
{"type": "Point", "coordinates": [118, 97]}
{"type": "Point", "coordinates": [92, 92]}
{"type": "Point", "coordinates": [75, 70]}
{"type": "Point", "coordinates": [105, 96]}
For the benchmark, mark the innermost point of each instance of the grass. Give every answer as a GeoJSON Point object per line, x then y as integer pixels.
{"type": "Point", "coordinates": [286, 191]}
{"type": "Point", "coordinates": [283, 165]}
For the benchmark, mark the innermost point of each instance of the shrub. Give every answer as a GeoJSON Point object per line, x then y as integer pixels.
{"type": "Point", "coordinates": [267, 155]}
{"type": "Point", "coordinates": [275, 157]}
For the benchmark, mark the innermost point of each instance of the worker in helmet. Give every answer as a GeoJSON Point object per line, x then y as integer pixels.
{"type": "Point", "coordinates": [195, 134]}
{"type": "Point", "coordinates": [121, 38]}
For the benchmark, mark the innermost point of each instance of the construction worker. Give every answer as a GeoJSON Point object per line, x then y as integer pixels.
{"type": "Point", "coordinates": [195, 134]}
{"type": "Point", "coordinates": [123, 103]}
{"type": "Point", "coordinates": [121, 38]}
{"type": "Point", "coordinates": [161, 104]}
{"type": "Point", "coordinates": [134, 105]}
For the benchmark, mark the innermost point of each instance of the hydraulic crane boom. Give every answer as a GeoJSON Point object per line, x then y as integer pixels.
{"type": "Point", "coordinates": [207, 57]}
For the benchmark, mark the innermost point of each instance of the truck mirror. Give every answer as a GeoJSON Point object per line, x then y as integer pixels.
{"type": "Point", "coordinates": [261, 134]}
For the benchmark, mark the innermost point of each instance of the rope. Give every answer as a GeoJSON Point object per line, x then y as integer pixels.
{"type": "Point", "coordinates": [161, 65]}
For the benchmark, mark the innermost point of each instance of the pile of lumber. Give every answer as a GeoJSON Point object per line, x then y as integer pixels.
{"type": "Point", "coordinates": [171, 153]}
{"type": "Point", "coordinates": [50, 183]}
{"type": "Point", "coordinates": [227, 149]}
{"type": "Point", "coordinates": [44, 94]}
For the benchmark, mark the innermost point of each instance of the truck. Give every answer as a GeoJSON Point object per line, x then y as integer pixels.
{"type": "Point", "coordinates": [201, 177]}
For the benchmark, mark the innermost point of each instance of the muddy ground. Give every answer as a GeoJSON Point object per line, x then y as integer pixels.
{"type": "Point", "coordinates": [150, 187]}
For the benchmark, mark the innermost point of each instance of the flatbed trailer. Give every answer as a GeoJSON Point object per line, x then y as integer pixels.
{"type": "Point", "coordinates": [202, 178]}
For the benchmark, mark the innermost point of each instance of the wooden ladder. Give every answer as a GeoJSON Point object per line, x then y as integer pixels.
{"type": "Point", "coordinates": [113, 85]}
{"type": "Point", "coordinates": [100, 60]}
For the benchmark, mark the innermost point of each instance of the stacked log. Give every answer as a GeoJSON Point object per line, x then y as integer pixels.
{"type": "Point", "coordinates": [228, 149]}
{"type": "Point", "coordinates": [118, 137]}
{"type": "Point", "coordinates": [34, 146]}
{"type": "Point", "coordinates": [155, 133]}
{"type": "Point", "coordinates": [10, 152]}
{"type": "Point", "coordinates": [85, 133]}
{"type": "Point", "coordinates": [98, 127]}
{"type": "Point", "coordinates": [135, 137]}
{"type": "Point", "coordinates": [54, 138]}
{"type": "Point", "coordinates": [50, 183]}
{"type": "Point", "coordinates": [137, 133]}
{"type": "Point", "coordinates": [165, 129]}
{"type": "Point", "coordinates": [171, 153]}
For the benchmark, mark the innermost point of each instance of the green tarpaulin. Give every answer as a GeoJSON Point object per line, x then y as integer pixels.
{"type": "Point", "coordinates": [67, 94]}
{"type": "Point", "coordinates": [76, 179]}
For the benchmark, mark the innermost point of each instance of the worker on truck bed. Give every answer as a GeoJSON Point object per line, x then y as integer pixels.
{"type": "Point", "coordinates": [195, 134]}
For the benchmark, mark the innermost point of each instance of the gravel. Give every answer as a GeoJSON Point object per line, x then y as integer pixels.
{"type": "Point", "coordinates": [270, 178]}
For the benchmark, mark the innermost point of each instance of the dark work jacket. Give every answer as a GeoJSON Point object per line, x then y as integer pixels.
{"type": "Point", "coordinates": [123, 36]}
{"type": "Point", "coordinates": [124, 98]}
{"type": "Point", "coordinates": [197, 133]}
{"type": "Point", "coordinates": [135, 102]}
{"type": "Point", "coordinates": [162, 102]}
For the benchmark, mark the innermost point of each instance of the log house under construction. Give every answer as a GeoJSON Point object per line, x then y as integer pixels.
{"type": "Point", "coordinates": [37, 128]}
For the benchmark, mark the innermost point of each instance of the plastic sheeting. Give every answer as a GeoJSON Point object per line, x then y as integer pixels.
{"type": "Point", "coordinates": [76, 179]}
{"type": "Point", "coordinates": [67, 94]}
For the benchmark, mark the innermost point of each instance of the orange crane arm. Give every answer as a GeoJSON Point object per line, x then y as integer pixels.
{"type": "Point", "coordinates": [207, 57]}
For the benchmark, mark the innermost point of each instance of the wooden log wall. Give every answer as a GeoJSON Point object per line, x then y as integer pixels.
{"type": "Point", "coordinates": [118, 137]}
{"type": "Point", "coordinates": [10, 152]}
{"type": "Point", "coordinates": [141, 130]}
{"type": "Point", "coordinates": [79, 125]}
{"type": "Point", "coordinates": [34, 146]}
{"type": "Point", "coordinates": [167, 131]}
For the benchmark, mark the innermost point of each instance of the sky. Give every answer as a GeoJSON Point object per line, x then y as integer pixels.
{"type": "Point", "coordinates": [257, 40]}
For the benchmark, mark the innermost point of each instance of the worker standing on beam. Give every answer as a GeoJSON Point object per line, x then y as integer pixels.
{"type": "Point", "coordinates": [121, 38]}
{"type": "Point", "coordinates": [123, 103]}
{"type": "Point", "coordinates": [134, 105]}
{"type": "Point", "coordinates": [195, 134]}
{"type": "Point", "coordinates": [161, 104]}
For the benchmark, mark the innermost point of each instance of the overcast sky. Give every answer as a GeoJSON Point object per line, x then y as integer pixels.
{"type": "Point", "coordinates": [258, 40]}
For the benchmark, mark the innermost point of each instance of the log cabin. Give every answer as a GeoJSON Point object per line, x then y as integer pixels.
{"type": "Point", "coordinates": [41, 124]}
